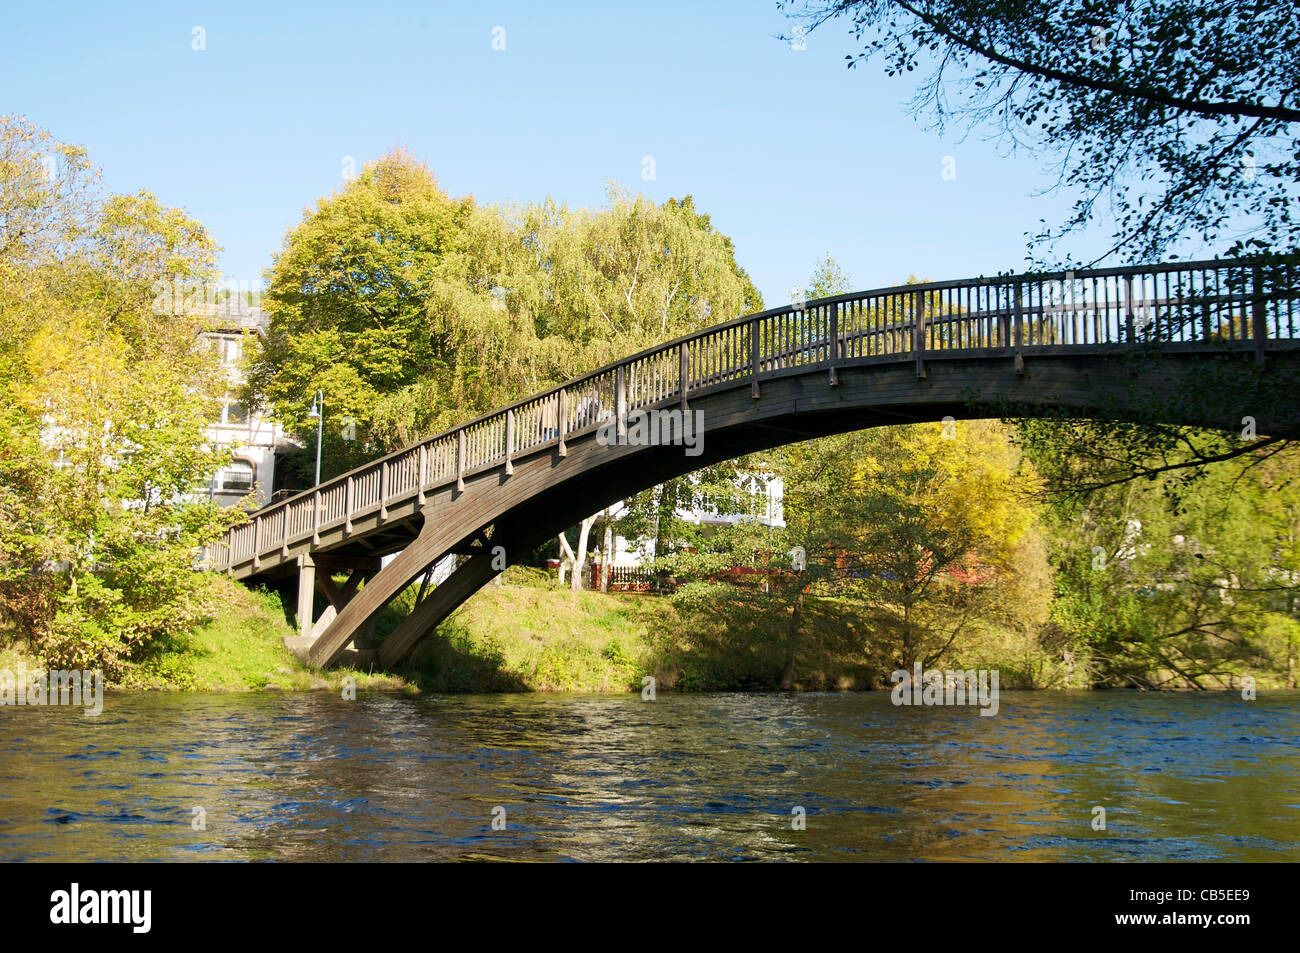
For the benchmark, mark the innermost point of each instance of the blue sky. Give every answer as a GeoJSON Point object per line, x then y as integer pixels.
{"type": "Point", "coordinates": [791, 153]}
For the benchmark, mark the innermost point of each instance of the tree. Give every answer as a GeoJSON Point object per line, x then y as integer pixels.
{"type": "Point", "coordinates": [620, 279]}
{"type": "Point", "coordinates": [627, 276]}
{"type": "Point", "coordinates": [920, 538]}
{"type": "Point", "coordinates": [103, 405]}
{"type": "Point", "coordinates": [576, 563]}
{"type": "Point", "coordinates": [413, 310]}
{"type": "Point", "coordinates": [1173, 581]}
{"type": "Point", "coordinates": [931, 520]}
{"type": "Point", "coordinates": [380, 299]}
{"type": "Point", "coordinates": [1177, 118]}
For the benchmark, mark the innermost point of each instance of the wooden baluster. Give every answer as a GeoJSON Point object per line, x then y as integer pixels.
{"type": "Point", "coordinates": [284, 533]}
{"type": "Point", "coordinates": [1098, 296]}
{"type": "Point", "coordinates": [754, 335]}
{"type": "Point", "coordinates": [1020, 333]}
{"type": "Point", "coordinates": [348, 496]}
{"type": "Point", "coordinates": [1206, 321]}
{"type": "Point", "coordinates": [1103, 327]}
{"type": "Point", "coordinates": [563, 419]}
{"type": "Point", "coordinates": [460, 460]}
{"type": "Point", "coordinates": [683, 359]}
{"type": "Point", "coordinates": [833, 342]}
{"type": "Point", "coordinates": [510, 441]}
{"type": "Point", "coordinates": [1074, 316]}
{"type": "Point", "coordinates": [918, 331]}
{"type": "Point", "coordinates": [1259, 315]}
{"type": "Point", "coordinates": [421, 473]}
{"type": "Point", "coordinates": [315, 519]}
{"type": "Point", "coordinates": [1130, 326]}
{"type": "Point", "coordinates": [620, 402]}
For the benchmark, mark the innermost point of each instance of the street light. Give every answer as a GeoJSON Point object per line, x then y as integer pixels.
{"type": "Point", "coordinates": [318, 414]}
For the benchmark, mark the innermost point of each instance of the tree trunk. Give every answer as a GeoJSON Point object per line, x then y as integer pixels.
{"type": "Point", "coordinates": [606, 554]}
{"type": "Point", "coordinates": [566, 556]}
{"type": "Point", "coordinates": [580, 560]}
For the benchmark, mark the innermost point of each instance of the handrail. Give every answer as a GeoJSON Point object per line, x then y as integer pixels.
{"type": "Point", "coordinates": [1221, 300]}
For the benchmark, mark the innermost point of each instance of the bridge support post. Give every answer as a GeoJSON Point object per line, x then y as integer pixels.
{"type": "Point", "coordinates": [469, 576]}
{"type": "Point", "coordinates": [360, 570]}
{"type": "Point", "coordinates": [306, 595]}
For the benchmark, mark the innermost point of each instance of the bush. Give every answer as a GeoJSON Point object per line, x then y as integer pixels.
{"type": "Point", "coordinates": [134, 614]}
{"type": "Point", "coordinates": [29, 602]}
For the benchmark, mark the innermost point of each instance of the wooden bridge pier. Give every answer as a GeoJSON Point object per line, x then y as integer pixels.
{"type": "Point", "coordinates": [315, 574]}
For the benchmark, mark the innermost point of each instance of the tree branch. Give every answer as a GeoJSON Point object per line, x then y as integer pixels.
{"type": "Point", "coordinates": [1236, 108]}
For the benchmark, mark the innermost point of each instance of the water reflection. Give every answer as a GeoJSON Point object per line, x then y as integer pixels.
{"type": "Point", "coordinates": [312, 777]}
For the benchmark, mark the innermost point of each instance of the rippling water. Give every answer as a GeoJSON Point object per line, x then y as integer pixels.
{"type": "Point", "coordinates": [313, 777]}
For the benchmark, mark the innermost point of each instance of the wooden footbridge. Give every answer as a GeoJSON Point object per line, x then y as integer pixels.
{"type": "Point", "coordinates": [1202, 343]}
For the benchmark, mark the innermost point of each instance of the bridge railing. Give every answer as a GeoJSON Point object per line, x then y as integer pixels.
{"type": "Point", "coordinates": [1243, 303]}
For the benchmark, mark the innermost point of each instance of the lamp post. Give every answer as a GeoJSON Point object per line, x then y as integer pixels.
{"type": "Point", "coordinates": [318, 414]}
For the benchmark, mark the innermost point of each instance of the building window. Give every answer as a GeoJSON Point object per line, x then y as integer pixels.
{"type": "Point", "coordinates": [236, 411]}
{"type": "Point", "coordinates": [238, 477]}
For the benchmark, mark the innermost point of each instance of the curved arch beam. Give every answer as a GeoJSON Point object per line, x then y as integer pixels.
{"type": "Point", "coordinates": [547, 493]}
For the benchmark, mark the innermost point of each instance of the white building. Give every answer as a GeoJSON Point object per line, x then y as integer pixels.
{"type": "Point", "coordinates": [766, 493]}
{"type": "Point", "coordinates": [252, 437]}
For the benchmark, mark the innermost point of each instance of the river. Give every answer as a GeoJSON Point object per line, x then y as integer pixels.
{"type": "Point", "coordinates": [282, 776]}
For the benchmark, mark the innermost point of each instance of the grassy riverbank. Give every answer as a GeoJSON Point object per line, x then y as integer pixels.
{"type": "Point", "coordinates": [240, 649]}
{"type": "Point", "coordinates": [526, 634]}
